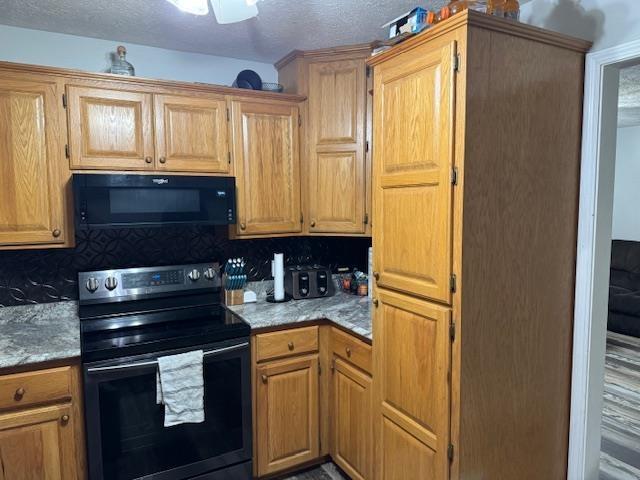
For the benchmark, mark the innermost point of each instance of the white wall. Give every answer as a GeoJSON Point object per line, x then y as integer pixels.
{"type": "Point", "coordinates": [626, 190]}
{"type": "Point", "coordinates": [68, 51]}
{"type": "Point", "coordinates": [605, 22]}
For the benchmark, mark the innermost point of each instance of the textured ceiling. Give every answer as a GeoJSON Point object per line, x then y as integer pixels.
{"type": "Point", "coordinates": [629, 99]}
{"type": "Point", "coordinates": [281, 26]}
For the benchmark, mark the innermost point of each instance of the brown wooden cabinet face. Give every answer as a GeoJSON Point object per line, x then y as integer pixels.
{"type": "Point", "coordinates": [191, 134]}
{"type": "Point", "coordinates": [411, 371]}
{"type": "Point", "coordinates": [267, 162]}
{"type": "Point", "coordinates": [38, 444]}
{"type": "Point", "coordinates": [110, 129]}
{"type": "Point", "coordinates": [32, 169]}
{"type": "Point", "coordinates": [352, 435]}
{"type": "Point", "coordinates": [337, 115]}
{"type": "Point", "coordinates": [287, 413]}
{"type": "Point", "coordinates": [413, 158]}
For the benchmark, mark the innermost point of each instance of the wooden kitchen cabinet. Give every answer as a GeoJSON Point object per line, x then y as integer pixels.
{"type": "Point", "coordinates": [33, 171]}
{"type": "Point", "coordinates": [336, 173]}
{"type": "Point", "coordinates": [474, 241]}
{"type": "Point", "coordinates": [351, 417]}
{"type": "Point", "coordinates": [286, 413]}
{"type": "Point", "coordinates": [191, 134]}
{"type": "Point", "coordinates": [42, 425]}
{"type": "Point", "coordinates": [39, 443]}
{"type": "Point", "coordinates": [110, 128]}
{"type": "Point", "coordinates": [267, 165]}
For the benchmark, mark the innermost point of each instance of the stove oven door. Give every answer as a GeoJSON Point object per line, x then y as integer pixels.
{"type": "Point", "coordinates": [125, 434]}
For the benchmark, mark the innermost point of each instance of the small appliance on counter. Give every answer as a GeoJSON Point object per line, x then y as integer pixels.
{"type": "Point", "coordinates": [308, 281]}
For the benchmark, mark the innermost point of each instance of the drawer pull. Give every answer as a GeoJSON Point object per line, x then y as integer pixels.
{"type": "Point", "coordinates": [291, 346]}
{"type": "Point", "coordinates": [19, 394]}
{"type": "Point", "coordinates": [64, 419]}
{"type": "Point", "coordinates": [348, 350]}
{"type": "Point", "coordinates": [264, 378]}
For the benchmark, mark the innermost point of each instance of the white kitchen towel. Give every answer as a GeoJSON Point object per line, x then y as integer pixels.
{"type": "Point", "coordinates": [180, 387]}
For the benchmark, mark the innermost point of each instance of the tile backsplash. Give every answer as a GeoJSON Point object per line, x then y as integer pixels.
{"type": "Point", "coordinates": [41, 276]}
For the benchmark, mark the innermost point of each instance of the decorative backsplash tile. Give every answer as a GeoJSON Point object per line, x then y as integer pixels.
{"type": "Point", "coordinates": [41, 276]}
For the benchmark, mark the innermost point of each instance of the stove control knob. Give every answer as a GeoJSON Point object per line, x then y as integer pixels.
{"type": "Point", "coordinates": [111, 283]}
{"type": "Point", "coordinates": [194, 275]}
{"type": "Point", "coordinates": [92, 284]}
{"type": "Point", "coordinates": [209, 273]}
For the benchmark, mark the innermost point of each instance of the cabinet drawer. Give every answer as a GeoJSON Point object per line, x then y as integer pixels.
{"type": "Point", "coordinates": [351, 349]}
{"type": "Point", "coordinates": [286, 342]}
{"type": "Point", "coordinates": [40, 386]}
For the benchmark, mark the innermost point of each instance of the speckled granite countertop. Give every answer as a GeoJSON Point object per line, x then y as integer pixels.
{"type": "Point", "coordinates": [39, 333]}
{"type": "Point", "coordinates": [351, 312]}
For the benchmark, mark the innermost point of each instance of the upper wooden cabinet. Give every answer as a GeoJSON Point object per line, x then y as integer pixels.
{"type": "Point", "coordinates": [336, 186]}
{"type": "Point", "coordinates": [191, 134]}
{"type": "Point", "coordinates": [412, 175]}
{"type": "Point", "coordinates": [267, 165]}
{"type": "Point", "coordinates": [110, 129]}
{"type": "Point", "coordinates": [33, 171]}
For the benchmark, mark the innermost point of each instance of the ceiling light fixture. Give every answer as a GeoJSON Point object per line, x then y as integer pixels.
{"type": "Point", "coordinates": [226, 11]}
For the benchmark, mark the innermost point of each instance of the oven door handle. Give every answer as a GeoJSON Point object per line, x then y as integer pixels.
{"type": "Point", "coordinates": [111, 368]}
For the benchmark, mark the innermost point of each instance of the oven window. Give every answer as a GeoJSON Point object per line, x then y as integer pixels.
{"type": "Point", "coordinates": [135, 442]}
{"type": "Point", "coordinates": [151, 200]}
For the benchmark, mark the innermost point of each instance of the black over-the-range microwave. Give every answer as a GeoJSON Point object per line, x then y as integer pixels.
{"type": "Point", "coordinates": [126, 201]}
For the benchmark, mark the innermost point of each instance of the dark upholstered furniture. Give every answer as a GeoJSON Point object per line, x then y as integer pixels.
{"type": "Point", "coordinates": [624, 288]}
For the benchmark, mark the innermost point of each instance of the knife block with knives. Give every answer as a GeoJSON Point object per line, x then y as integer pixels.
{"type": "Point", "coordinates": [234, 280]}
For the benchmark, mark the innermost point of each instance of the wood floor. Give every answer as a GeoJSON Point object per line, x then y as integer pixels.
{"type": "Point", "coordinates": [620, 448]}
{"type": "Point", "coordinates": [328, 471]}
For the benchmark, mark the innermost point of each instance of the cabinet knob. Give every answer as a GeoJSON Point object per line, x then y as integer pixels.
{"type": "Point", "coordinates": [348, 350]}
{"type": "Point", "coordinates": [162, 160]}
{"type": "Point", "coordinates": [376, 275]}
{"type": "Point", "coordinates": [313, 223]}
{"type": "Point", "coordinates": [56, 232]}
{"type": "Point", "coordinates": [375, 302]}
{"type": "Point", "coordinates": [243, 226]}
{"type": "Point", "coordinates": [65, 418]}
{"type": "Point", "coordinates": [19, 394]}
{"type": "Point", "coordinates": [264, 378]}
{"type": "Point", "coordinates": [148, 159]}
{"type": "Point", "coordinates": [291, 346]}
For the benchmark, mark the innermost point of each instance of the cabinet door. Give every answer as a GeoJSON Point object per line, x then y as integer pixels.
{"type": "Point", "coordinates": [287, 413]}
{"type": "Point", "coordinates": [352, 421]}
{"type": "Point", "coordinates": [191, 134]}
{"type": "Point", "coordinates": [413, 158]}
{"type": "Point", "coordinates": [267, 162]}
{"type": "Point", "coordinates": [33, 171]}
{"type": "Point", "coordinates": [38, 444]}
{"type": "Point", "coordinates": [337, 115]}
{"type": "Point", "coordinates": [110, 129]}
{"type": "Point", "coordinates": [412, 358]}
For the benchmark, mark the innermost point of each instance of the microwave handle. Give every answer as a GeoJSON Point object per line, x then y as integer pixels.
{"type": "Point", "coordinates": [111, 368]}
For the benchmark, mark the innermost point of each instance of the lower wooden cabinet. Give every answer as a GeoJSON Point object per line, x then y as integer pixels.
{"type": "Point", "coordinates": [298, 405]}
{"type": "Point", "coordinates": [287, 413]}
{"type": "Point", "coordinates": [41, 425]}
{"type": "Point", "coordinates": [351, 439]}
{"type": "Point", "coordinates": [38, 443]}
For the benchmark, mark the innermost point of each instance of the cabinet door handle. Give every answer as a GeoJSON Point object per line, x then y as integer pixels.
{"type": "Point", "coordinates": [243, 226]}
{"type": "Point", "coordinates": [56, 232]}
{"type": "Point", "coordinates": [291, 346]}
{"type": "Point", "coordinates": [376, 275]}
{"type": "Point", "coordinates": [264, 378]}
{"type": "Point", "coordinates": [19, 394]}
{"type": "Point", "coordinates": [148, 159]}
{"type": "Point", "coordinates": [64, 419]}
{"type": "Point", "coordinates": [375, 302]}
{"type": "Point", "coordinates": [163, 160]}
{"type": "Point", "coordinates": [313, 223]}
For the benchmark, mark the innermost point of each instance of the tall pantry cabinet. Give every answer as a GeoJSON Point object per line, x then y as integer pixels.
{"type": "Point", "coordinates": [476, 149]}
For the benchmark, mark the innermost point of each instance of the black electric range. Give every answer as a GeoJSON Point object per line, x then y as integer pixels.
{"type": "Point", "coordinates": [129, 318]}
